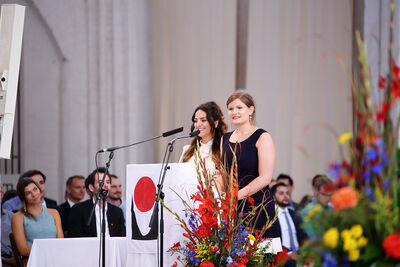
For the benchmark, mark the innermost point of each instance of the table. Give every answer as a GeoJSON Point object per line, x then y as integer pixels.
{"type": "Point", "coordinates": [77, 252]}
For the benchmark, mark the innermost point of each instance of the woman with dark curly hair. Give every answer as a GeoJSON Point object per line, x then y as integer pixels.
{"type": "Point", "coordinates": [207, 118]}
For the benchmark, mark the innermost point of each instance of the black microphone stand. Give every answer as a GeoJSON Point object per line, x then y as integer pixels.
{"type": "Point", "coordinates": [103, 195]}
{"type": "Point", "coordinates": [160, 194]}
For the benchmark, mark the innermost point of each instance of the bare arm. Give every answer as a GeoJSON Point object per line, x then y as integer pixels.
{"type": "Point", "coordinates": [57, 220]}
{"type": "Point", "coordinates": [17, 226]}
{"type": "Point", "coordinates": [266, 162]}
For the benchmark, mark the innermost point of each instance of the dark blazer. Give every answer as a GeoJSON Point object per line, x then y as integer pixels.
{"type": "Point", "coordinates": [52, 204]}
{"type": "Point", "coordinates": [79, 215]}
{"type": "Point", "coordinates": [64, 210]}
{"type": "Point", "coordinates": [301, 235]}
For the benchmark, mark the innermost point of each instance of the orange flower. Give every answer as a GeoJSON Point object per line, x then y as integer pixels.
{"type": "Point", "coordinates": [344, 198]}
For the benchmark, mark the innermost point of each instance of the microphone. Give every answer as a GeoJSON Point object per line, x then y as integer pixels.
{"type": "Point", "coordinates": [177, 130]}
{"type": "Point", "coordinates": [111, 149]}
{"type": "Point", "coordinates": [103, 192]}
{"type": "Point", "coordinates": [192, 134]}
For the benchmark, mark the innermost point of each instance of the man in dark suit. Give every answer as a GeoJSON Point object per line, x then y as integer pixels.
{"type": "Point", "coordinates": [14, 204]}
{"type": "Point", "coordinates": [74, 193]}
{"type": "Point", "coordinates": [292, 234]}
{"type": "Point", "coordinates": [79, 214]}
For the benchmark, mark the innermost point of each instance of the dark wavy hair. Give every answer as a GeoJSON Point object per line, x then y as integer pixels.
{"type": "Point", "coordinates": [22, 183]}
{"type": "Point", "coordinates": [214, 113]}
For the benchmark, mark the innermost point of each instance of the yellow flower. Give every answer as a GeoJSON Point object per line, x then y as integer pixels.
{"type": "Point", "coordinates": [346, 234]}
{"type": "Point", "coordinates": [362, 241]}
{"type": "Point", "coordinates": [345, 137]}
{"type": "Point", "coordinates": [356, 231]}
{"type": "Point", "coordinates": [252, 237]}
{"type": "Point", "coordinates": [354, 254]}
{"type": "Point", "coordinates": [350, 244]}
{"type": "Point", "coordinates": [331, 238]}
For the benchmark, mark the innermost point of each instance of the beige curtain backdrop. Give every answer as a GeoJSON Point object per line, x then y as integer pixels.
{"type": "Point", "coordinates": [193, 61]}
{"type": "Point", "coordinates": [301, 90]}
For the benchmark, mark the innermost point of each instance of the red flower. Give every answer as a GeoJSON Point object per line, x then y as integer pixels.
{"type": "Point", "coordinates": [177, 245]}
{"type": "Point", "coordinates": [206, 264]}
{"type": "Point", "coordinates": [251, 200]}
{"type": "Point", "coordinates": [381, 115]}
{"type": "Point", "coordinates": [382, 82]}
{"type": "Point", "coordinates": [175, 264]}
{"type": "Point", "coordinates": [391, 245]}
{"type": "Point", "coordinates": [282, 256]}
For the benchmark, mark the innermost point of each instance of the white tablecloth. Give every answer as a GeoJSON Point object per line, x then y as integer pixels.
{"type": "Point", "coordinates": [77, 252]}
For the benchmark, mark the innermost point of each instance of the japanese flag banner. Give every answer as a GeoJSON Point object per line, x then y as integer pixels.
{"type": "Point", "coordinates": [141, 189]}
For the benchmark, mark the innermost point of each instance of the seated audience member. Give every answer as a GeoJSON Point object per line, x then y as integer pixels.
{"type": "Point", "coordinates": [33, 221]}
{"type": "Point", "coordinates": [115, 192]}
{"type": "Point", "coordinates": [79, 214]}
{"type": "Point", "coordinates": [8, 195]}
{"type": "Point", "coordinates": [7, 258]}
{"type": "Point", "coordinates": [281, 196]}
{"type": "Point", "coordinates": [15, 203]}
{"type": "Point", "coordinates": [321, 197]}
{"type": "Point", "coordinates": [75, 192]}
{"type": "Point", "coordinates": [288, 181]}
{"type": "Point", "coordinates": [308, 198]}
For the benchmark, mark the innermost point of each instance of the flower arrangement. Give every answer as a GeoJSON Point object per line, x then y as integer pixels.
{"type": "Point", "coordinates": [216, 231]}
{"type": "Point", "coordinates": [363, 227]}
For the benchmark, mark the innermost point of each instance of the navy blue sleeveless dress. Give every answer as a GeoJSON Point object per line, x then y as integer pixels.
{"type": "Point", "coordinates": [247, 162]}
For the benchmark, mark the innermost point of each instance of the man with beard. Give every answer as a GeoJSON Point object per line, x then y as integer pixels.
{"type": "Point", "coordinates": [79, 214]}
{"type": "Point", "coordinates": [115, 192]}
{"type": "Point", "coordinates": [291, 232]}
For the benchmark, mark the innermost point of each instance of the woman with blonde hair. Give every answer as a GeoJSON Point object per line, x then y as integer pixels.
{"type": "Point", "coordinates": [255, 155]}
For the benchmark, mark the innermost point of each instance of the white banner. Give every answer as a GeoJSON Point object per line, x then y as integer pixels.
{"type": "Point", "coordinates": [141, 189]}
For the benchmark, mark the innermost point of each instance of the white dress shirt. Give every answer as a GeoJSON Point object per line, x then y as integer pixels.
{"type": "Point", "coordinates": [285, 228]}
{"type": "Point", "coordinates": [97, 211]}
{"type": "Point", "coordinates": [205, 154]}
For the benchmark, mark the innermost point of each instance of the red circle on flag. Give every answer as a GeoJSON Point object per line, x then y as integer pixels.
{"type": "Point", "coordinates": [145, 194]}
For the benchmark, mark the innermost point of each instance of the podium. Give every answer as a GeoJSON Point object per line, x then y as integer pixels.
{"type": "Point", "coordinates": [141, 188]}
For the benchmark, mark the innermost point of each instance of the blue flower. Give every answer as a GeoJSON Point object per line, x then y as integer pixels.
{"type": "Point", "coordinates": [334, 171]}
{"type": "Point", "coordinates": [366, 176]}
{"type": "Point", "coordinates": [329, 260]}
{"type": "Point", "coordinates": [372, 154]}
{"type": "Point", "coordinates": [369, 193]}
{"type": "Point", "coordinates": [377, 168]}
{"type": "Point", "coordinates": [386, 184]}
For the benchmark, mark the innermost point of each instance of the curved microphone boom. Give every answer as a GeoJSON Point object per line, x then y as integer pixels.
{"type": "Point", "coordinates": [192, 134]}
{"type": "Point", "coordinates": [165, 134]}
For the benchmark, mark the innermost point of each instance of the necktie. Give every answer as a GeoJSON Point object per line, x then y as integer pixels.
{"type": "Point", "coordinates": [291, 238]}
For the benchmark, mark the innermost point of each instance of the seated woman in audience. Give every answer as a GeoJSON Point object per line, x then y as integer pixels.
{"type": "Point", "coordinates": [207, 118]}
{"type": "Point", "coordinates": [33, 221]}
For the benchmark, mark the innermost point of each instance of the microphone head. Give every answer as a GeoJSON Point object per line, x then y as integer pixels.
{"type": "Point", "coordinates": [194, 133]}
{"type": "Point", "coordinates": [177, 130]}
{"type": "Point", "coordinates": [103, 192]}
